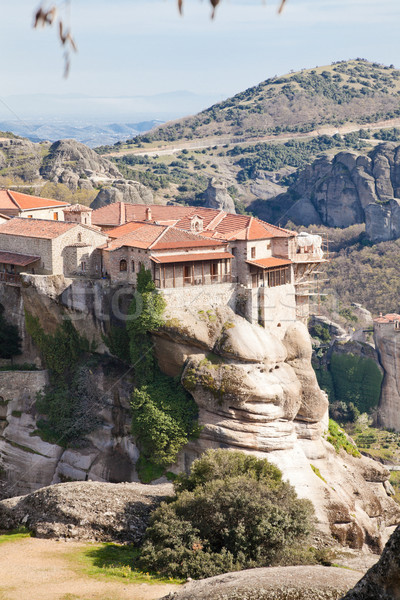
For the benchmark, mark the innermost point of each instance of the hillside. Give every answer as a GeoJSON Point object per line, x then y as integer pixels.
{"type": "Point", "coordinates": [355, 91]}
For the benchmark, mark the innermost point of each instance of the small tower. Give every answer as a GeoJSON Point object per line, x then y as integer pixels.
{"type": "Point", "coordinates": [77, 213]}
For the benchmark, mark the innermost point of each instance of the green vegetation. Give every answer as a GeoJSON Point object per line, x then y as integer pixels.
{"type": "Point", "coordinates": [321, 332]}
{"type": "Point", "coordinates": [356, 379]}
{"type": "Point", "coordinates": [14, 536]}
{"type": "Point", "coordinates": [395, 481]}
{"type": "Point", "coordinates": [163, 414]}
{"type": "Point", "coordinates": [114, 562]}
{"type": "Point", "coordinates": [317, 472]}
{"type": "Point", "coordinates": [10, 340]}
{"type": "Point", "coordinates": [232, 512]}
{"type": "Point", "coordinates": [117, 341]}
{"type": "Point", "coordinates": [70, 404]}
{"type": "Point", "coordinates": [339, 439]}
{"type": "Point", "coordinates": [367, 274]}
{"type": "Point", "coordinates": [294, 153]}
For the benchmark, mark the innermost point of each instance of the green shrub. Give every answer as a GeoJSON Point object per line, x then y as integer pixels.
{"type": "Point", "coordinates": [233, 512]}
{"type": "Point", "coordinates": [338, 438]}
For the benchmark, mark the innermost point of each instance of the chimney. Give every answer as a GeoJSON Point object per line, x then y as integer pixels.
{"type": "Point", "coordinates": [148, 213]}
{"type": "Point", "coordinates": [122, 213]}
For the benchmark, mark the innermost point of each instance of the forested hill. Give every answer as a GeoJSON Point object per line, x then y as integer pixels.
{"type": "Point", "coordinates": [355, 91]}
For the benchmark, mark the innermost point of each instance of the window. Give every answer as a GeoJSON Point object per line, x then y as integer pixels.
{"type": "Point", "coordinates": [55, 216]}
{"type": "Point", "coordinates": [83, 266]}
{"type": "Point", "coordinates": [79, 237]}
{"type": "Point", "coordinates": [268, 245]}
{"type": "Point", "coordinates": [133, 266]}
{"type": "Point", "coordinates": [233, 251]}
{"type": "Point", "coordinates": [29, 216]}
{"type": "Point", "coordinates": [253, 252]}
{"type": "Point", "coordinates": [123, 266]}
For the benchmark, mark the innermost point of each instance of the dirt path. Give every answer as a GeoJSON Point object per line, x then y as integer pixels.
{"type": "Point", "coordinates": [36, 569]}
{"type": "Point", "coordinates": [168, 150]}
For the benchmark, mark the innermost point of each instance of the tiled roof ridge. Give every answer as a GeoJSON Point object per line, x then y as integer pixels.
{"type": "Point", "coordinates": [8, 192]}
{"type": "Point", "coordinates": [220, 216]}
{"type": "Point", "coordinates": [158, 238]}
{"type": "Point", "coordinates": [275, 226]}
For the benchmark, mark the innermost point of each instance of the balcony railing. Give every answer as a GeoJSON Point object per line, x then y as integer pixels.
{"type": "Point", "coordinates": [10, 277]}
{"type": "Point", "coordinates": [194, 281]}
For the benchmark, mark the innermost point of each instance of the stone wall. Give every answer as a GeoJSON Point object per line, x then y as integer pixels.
{"type": "Point", "coordinates": [31, 246]}
{"type": "Point", "coordinates": [76, 235]}
{"type": "Point", "coordinates": [194, 298]}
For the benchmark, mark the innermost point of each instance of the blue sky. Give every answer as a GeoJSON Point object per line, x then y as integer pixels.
{"type": "Point", "coordinates": [143, 47]}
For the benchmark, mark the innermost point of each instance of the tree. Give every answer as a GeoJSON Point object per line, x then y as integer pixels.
{"type": "Point", "coordinates": [233, 512]}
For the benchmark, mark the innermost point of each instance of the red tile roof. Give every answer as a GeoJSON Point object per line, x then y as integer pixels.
{"type": "Point", "coordinates": [216, 224]}
{"type": "Point", "coordinates": [268, 263]}
{"type": "Point", "coordinates": [36, 228]}
{"type": "Point", "coordinates": [389, 318]}
{"type": "Point", "coordinates": [15, 200]}
{"type": "Point", "coordinates": [191, 257]}
{"type": "Point", "coordinates": [117, 232]}
{"type": "Point", "coordinates": [14, 258]}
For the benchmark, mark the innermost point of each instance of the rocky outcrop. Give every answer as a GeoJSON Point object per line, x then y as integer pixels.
{"type": "Point", "coordinates": [217, 196]}
{"type": "Point", "coordinates": [120, 190]}
{"type": "Point", "coordinates": [257, 392]}
{"type": "Point", "coordinates": [103, 512]}
{"type": "Point", "coordinates": [382, 221]}
{"type": "Point", "coordinates": [349, 189]}
{"type": "Point", "coordinates": [387, 341]}
{"type": "Point", "coordinates": [21, 158]}
{"type": "Point", "coordinates": [255, 389]}
{"type": "Point", "coordinates": [382, 581]}
{"type": "Point", "coordinates": [274, 583]}
{"type": "Point", "coordinates": [76, 165]}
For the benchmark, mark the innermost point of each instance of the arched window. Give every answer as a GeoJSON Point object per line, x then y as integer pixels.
{"type": "Point", "coordinates": [79, 237]}
{"type": "Point", "coordinates": [123, 266]}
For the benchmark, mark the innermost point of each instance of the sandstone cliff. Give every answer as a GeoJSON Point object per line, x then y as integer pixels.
{"type": "Point", "coordinates": [217, 196]}
{"type": "Point", "coordinates": [351, 188]}
{"type": "Point", "coordinates": [255, 389]}
{"type": "Point", "coordinates": [387, 341]}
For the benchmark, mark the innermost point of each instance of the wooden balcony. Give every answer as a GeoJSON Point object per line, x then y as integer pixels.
{"type": "Point", "coordinates": [10, 277]}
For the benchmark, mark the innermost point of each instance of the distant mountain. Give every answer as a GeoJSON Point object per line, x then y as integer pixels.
{"type": "Point", "coordinates": [89, 134]}
{"type": "Point", "coordinates": [355, 91]}
{"type": "Point", "coordinates": [163, 107]}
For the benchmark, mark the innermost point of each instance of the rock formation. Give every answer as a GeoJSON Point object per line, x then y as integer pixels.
{"type": "Point", "coordinates": [21, 158]}
{"type": "Point", "coordinates": [86, 510]}
{"type": "Point", "coordinates": [349, 189]}
{"type": "Point", "coordinates": [274, 583]}
{"type": "Point", "coordinates": [73, 164]}
{"type": "Point", "coordinates": [123, 191]}
{"type": "Point", "coordinates": [387, 341]}
{"type": "Point", "coordinates": [382, 581]}
{"type": "Point", "coordinates": [255, 388]}
{"type": "Point", "coordinates": [217, 196]}
{"type": "Point", "coordinates": [256, 391]}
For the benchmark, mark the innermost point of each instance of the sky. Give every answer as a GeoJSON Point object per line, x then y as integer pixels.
{"type": "Point", "coordinates": [140, 48]}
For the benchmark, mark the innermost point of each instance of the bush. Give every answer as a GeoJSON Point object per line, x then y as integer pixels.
{"type": "Point", "coordinates": [164, 414]}
{"type": "Point", "coordinates": [233, 512]}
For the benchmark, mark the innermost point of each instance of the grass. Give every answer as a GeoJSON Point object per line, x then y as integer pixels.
{"type": "Point", "coordinates": [114, 562]}
{"type": "Point", "coordinates": [317, 472]}
{"type": "Point", "coordinates": [14, 536]}
{"type": "Point", "coordinates": [395, 481]}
